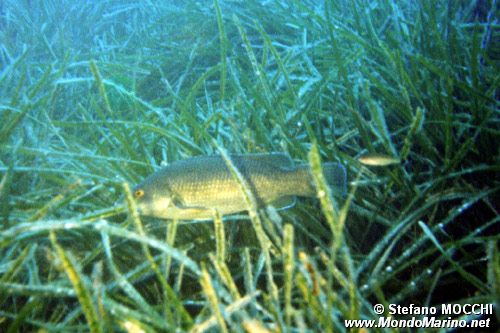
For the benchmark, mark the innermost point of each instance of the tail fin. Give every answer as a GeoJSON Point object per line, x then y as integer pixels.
{"type": "Point", "coordinates": [302, 183]}
{"type": "Point", "coordinates": [336, 176]}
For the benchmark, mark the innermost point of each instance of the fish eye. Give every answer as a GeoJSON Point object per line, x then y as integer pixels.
{"type": "Point", "coordinates": [138, 193]}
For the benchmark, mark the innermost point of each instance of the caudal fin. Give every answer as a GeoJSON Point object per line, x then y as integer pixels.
{"type": "Point", "coordinates": [336, 176]}
{"type": "Point", "coordinates": [302, 183]}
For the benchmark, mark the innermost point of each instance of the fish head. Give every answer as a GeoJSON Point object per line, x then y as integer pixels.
{"type": "Point", "coordinates": [153, 196]}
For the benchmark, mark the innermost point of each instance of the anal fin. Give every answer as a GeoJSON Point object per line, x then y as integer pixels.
{"type": "Point", "coordinates": [284, 202]}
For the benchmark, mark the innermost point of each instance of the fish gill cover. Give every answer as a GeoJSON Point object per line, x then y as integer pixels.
{"type": "Point", "coordinates": [96, 95]}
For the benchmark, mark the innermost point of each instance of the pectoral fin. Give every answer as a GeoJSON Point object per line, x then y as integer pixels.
{"type": "Point", "coordinates": [180, 205]}
{"type": "Point", "coordinates": [183, 212]}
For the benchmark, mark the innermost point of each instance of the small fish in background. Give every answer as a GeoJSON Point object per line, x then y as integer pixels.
{"type": "Point", "coordinates": [378, 160]}
{"type": "Point", "coordinates": [190, 189]}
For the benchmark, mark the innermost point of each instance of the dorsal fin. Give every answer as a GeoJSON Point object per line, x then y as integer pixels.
{"type": "Point", "coordinates": [277, 160]}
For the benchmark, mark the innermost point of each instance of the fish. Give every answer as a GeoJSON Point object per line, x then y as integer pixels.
{"type": "Point", "coordinates": [192, 188]}
{"type": "Point", "coordinates": [378, 160]}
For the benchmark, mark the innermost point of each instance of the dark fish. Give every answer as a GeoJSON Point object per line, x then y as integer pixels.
{"type": "Point", "coordinates": [190, 189]}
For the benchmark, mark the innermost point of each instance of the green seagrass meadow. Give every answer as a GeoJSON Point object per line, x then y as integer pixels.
{"type": "Point", "coordinates": [96, 95]}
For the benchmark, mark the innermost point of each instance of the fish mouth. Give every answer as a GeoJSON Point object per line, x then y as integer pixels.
{"type": "Point", "coordinates": [124, 205]}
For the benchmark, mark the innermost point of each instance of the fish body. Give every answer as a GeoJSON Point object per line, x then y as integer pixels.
{"type": "Point", "coordinates": [378, 160]}
{"type": "Point", "coordinates": [190, 189]}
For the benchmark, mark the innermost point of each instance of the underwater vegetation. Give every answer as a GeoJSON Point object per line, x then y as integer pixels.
{"type": "Point", "coordinates": [97, 95]}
